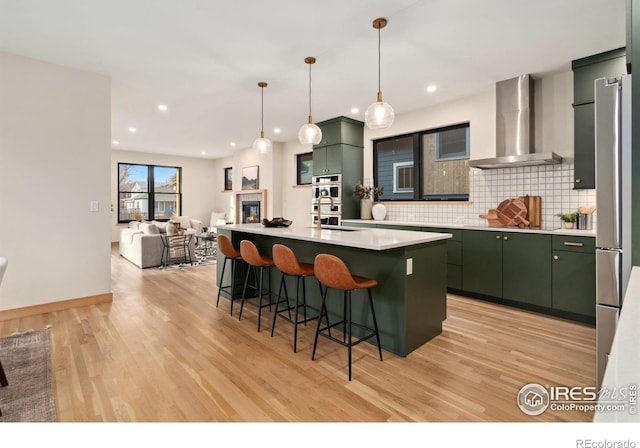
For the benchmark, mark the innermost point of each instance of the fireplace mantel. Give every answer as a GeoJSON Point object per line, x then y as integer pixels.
{"type": "Point", "coordinates": [263, 201]}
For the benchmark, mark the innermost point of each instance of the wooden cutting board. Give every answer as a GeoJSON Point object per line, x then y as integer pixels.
{"type": "Point", "coordinates": [512, 212]}
{"type": "Point", "coordinates": [492, 218]}
{"type": "Point", "coordinates": [534, 209]}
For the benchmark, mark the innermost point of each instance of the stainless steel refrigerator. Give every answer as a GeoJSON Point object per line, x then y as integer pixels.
{"type": "Point", "coordinates": [613, 203]}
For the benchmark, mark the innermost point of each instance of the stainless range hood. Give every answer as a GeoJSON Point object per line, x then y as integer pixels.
{"type": "Point", "coordinates": [515, 131]}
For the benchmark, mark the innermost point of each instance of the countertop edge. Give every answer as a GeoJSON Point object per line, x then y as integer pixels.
{"type": "Point", "coordinates": [623, 367]}
{"type": "Point", "coordinates": [386, 238]}
{"type": "Point", "coordinates": [560, 231]}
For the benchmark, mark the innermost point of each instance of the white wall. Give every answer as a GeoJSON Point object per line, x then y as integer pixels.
{"type": "Point", "coordinates": [199, 182]}
{"type": "Point", "coordinates": [553, 120]}
{"type": "Point", "coordinates": [55, 130]}
{"type": "Point", "coordinates": [272, 175]}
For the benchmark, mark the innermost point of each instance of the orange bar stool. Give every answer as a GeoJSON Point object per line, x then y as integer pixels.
{"type": "Point", "coordinates": [288, 264]}
{"type": "Point", "coordinates": [230, 253]}
{"type": "Point", "coordinates": [257, 263]}
{"type": "Point", "coordinates": [333, 273]}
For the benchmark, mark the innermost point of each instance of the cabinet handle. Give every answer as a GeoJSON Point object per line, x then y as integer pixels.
{"type": "Point", "coordinates": [578, 181]}
{"type": "Point", "coordinates": [506, 238]}
{"type": "Point", "coordinates": [555, 257]}
{"type": "Point", "coordinates": [571, 243]}
{"type": "Point", "coordinates": [498, 237]}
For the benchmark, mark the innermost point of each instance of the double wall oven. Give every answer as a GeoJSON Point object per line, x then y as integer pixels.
{"type": "Point", "coordinates": [329, 185]}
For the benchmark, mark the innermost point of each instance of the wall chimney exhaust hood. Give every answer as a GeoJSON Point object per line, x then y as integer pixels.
{"type": "Point", "coordinates": [515, 128]}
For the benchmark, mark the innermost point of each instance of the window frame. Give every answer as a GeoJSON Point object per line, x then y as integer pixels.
{"type": "Point", "coordinates": [396, 167]}
{"type": "Point", "coordinates": [299, 160]}
{"type": "Point", "coordinates": [151, 194]}
{"type": "Point", "coordinates": [418, 162]}
{"type": "Point", "coordinates": [228, 182]}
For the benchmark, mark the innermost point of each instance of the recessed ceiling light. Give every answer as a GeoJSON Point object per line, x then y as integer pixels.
{"type": "Point", "coordinates": [115, 142]}
{"type": "Point", "coordinates": [276, 130]}
{"type": "Point", "coordinates": [432, 88]}
{"type": "Point", "coordinates": [233, 144]}
{"type": "Point", "coordinates": [355, 110]}
{"type": "Point", "coordinates": [132, 130]}
{"type": "Point", "coordinates": [163, 107]}
{"type": "Point", "coordinates": [204, 153]}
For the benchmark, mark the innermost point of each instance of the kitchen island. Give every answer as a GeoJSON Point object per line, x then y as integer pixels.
{"type": "Point", "coordinates": [410, 267]}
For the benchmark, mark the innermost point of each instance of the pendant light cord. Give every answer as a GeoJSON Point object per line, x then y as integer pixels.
{"type": "Point", "coordinates": [378, 59]}
{"type": "Point", "coordinates": [262, 111]}
{"type": "Point", "coordinates": [309, 89]}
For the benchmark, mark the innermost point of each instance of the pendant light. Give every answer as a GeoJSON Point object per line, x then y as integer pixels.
{"type": "Point", "coordinates": [262, 146]}
{"type": "Point", "coordinates": [310, 134]}
{"type": "Point", "coordinates": [379, 115]}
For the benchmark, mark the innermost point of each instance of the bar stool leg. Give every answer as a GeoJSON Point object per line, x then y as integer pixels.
{"type": "Point", "coordinates": [375, 323]}
{"type": "Point", "coordinates": [323, 312]}
{"type": "Point", "coordinates": [244, 289]}
{"type": "Point", "coordinates": [347, 299]}
{"type": "Point", "coordinates": [224, 264]}
{"type": "Point", "coordinates": [295, 323]}
{"type": "Point", "coordinates": [233, 283]}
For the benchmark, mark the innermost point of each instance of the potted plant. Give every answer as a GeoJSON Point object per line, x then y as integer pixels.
{"type": "Point", "coordinates": [569, 219]}
{"type": "Point", "coordinates": [367, 194]}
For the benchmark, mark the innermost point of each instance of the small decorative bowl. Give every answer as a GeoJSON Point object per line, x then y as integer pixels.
{"type": "Point", "coordinates": [277, 222]}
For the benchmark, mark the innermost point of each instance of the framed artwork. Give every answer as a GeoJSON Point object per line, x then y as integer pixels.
{"type": "Point", "coordinates": [228, 179]}
{"type": "Point", "coordinates": [250, 177]}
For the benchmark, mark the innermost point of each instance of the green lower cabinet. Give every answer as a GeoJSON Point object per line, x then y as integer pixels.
{"type": "Point", "coordinates": [482, 262]}
{"type": "Point", "coordinates": [526, 268]}
{"type": "Point", "coordinates": [574, 282]}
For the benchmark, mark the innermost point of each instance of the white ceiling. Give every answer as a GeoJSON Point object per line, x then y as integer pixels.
{"type": "Point", "coordinates": [204, 58]}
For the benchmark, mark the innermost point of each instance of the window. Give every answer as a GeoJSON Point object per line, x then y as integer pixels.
{"type": "Point", "coordinates": [424, 166]}
{"type": "Point", "coordinates": [403, 177]}
{"type": "Point", "coordinates": [142, 185]}
{"type": "Point", "coordinates": [228, 179]}
{"type": "Point", "coordinates": [304, 168]}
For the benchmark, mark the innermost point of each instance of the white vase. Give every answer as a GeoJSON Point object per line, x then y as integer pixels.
{"type": "Point", "coordinates": [365, 208]}
{"type": "Point", "coordinates": [379, 211]}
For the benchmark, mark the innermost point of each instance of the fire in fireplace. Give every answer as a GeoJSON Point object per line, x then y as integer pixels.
{"type": "Point", "coordinates": [250, 212]}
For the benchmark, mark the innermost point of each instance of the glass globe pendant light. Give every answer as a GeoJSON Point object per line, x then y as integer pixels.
{"type": "Point", "coordinates": [309, 133]}
{"type": "Point", "coordinates": [262, 146]}
{"type": "Point", "coordinates": [379, 115]}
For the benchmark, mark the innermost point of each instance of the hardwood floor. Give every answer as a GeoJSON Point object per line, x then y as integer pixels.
{"type": "Point", "coordinates": [163, 352]}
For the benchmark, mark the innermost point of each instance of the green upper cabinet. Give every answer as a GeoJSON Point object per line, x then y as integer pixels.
{"type": "Point", "coordinates": [526, 268]}
{"type": "Point", "coordinates": [327, 160]}
{"type": "Point", "coordinates": [584, 138]}
{"type": "Point", "coordinates": [482, 262]}
{"type": "Point", "coordinates": [340, 137]}
{"type": "Point", "coordinates": [611, 64]}
{"type": "Point", "coordinates": [341, 130]}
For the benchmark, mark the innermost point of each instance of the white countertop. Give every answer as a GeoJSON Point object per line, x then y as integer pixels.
{"type": "Point", "coordinates": [570, 232]}
{"type": "Point", "coordinates": [623, 367]}
{"type": "Point", "coordinates": [362, 238]}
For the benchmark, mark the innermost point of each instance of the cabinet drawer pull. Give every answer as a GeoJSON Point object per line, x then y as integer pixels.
{"type": "Point", "coordinates": [506, 238]}
{"type": "Point", "coordinates": [571, 243]}
{"type": "Point", "coordinates": [498, 237]}
{"type": "Point", "coordinates": [578, 181]}
{"type": "Point", "coordinates": [555, 257]}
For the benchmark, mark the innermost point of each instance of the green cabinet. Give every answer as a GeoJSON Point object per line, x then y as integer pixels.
{"type": "Point", "coordinates": [327, 160]}
{"type": "Point", "coordinates": [454, 255]}
{"type": "Point", "coordinates": [574, 275]}
{"type": "Point", "coordinates": [507, 265]}
{"type": "Point", "coordinates": [482, 262]}
{"type": "Point", "coordinates": [610, 64]}
{"type": "Point", "coordinates": [526, 268]}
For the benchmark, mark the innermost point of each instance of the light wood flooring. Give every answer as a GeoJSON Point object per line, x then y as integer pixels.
{"type": "Point", "coordinates": [162, 352]}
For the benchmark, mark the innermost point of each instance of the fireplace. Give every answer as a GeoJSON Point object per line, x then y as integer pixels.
{"type": "Point", "coordinates": [250, 212]}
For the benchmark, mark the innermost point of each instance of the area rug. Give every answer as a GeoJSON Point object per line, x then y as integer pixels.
{"type": "Point", "coordinates": [202, 257]}
{"type": "Point", "coordinates": [26, 359]}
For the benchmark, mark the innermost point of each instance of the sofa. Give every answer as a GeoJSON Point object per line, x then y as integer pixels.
{"type": "Point", "coordinates": [141, 242]}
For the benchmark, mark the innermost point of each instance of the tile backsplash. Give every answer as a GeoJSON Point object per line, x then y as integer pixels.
{"type": "Point", "coordinates": [554, 183]}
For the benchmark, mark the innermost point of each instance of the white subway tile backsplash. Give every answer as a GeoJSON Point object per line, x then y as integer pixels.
{"type": "Point", "coordinates": [554, 183]}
